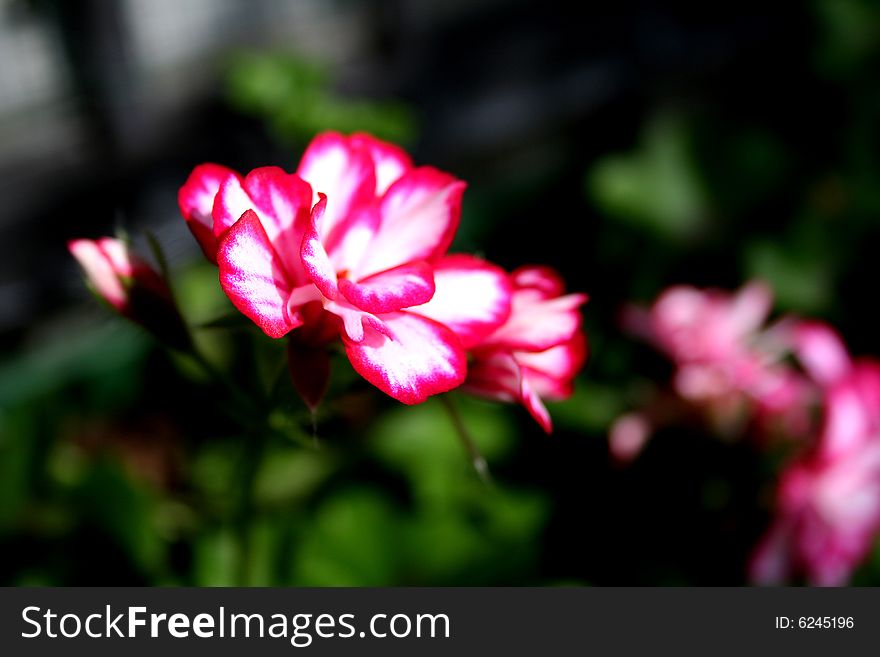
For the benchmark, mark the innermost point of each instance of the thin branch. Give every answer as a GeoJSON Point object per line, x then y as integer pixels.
{"type": "Point", "coordinates": [467, 441]}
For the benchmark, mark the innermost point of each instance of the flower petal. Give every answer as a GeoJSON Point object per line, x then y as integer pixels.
{"type": "Point", "coordinates": [551, 372]}
{"type": "Point", "coordinates": [472, 297]}
{"type": "Point", "coordinates": [821, 352]}
{"type": "Point", "coordinates": [283, 203]}
{"type": "Point", "coordinates": [545, 279]}
{"type": "Point", "coordinates": [394, 289]}
{"type": "Point", "coordinates": [419, 217]}
{"type": "Point", "coordinates": [354, 320]}
{"type": "Point", "coordinates": [352, 237]}
{"type": "Point", "coordinates": [99, 271]}
{"type": "Point", "coordinates": [535, 406]}
{"type": "Point", "coordinates": [495, 375]}
{"type": "Point", "coordinates": [196, 202]}
{"type": "Point", "coordinates": [344, 173]}
{"type": "Point", "coordinates": [416, 359]}
{"type": "Point", "coordinates": [314, 257]}
{"type": "Point", "coordinates": [537, 323]}
{"type": "Point", "coordinates": [749, 307]}
{"type": "Point", "coordinates": [390, 161]}
{"type": "Point", "coordinates": [253, 279]}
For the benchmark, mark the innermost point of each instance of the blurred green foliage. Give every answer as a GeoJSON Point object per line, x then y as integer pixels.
{"type": "Point", "coordinates": [656, 187]}
{"type": "Point", "coordinates": [295, 98]}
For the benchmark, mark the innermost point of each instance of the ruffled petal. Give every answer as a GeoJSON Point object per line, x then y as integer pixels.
{"type": "Point", "coordinates": [352, 237]}
{"type": "Point", "coordinates": [390, 161]}
{"type": "Point", "coordinates": [537, 277]}
{"type": "Point", "coordinates": [419, 217]}
{"type": "Point", "coordinates": [253, 279]}
{"type": "Point", "coordinates": [472, 297]}
{"type": "Point", "coordinates": [496, 376]}
{"type": "Point", "coordinates": [283, 203]}
{"type": "Point", "coordinates": [537, 323]}
{"type": "Point", "coordinates": [314, 257]}
{"type": "Point", "coordinates": [551, 373]}
{"type": "Point", "coordinates": [408, 285]}
{"type": "Point", "coordinates": [354, 320]}
{"type": "Point", "coordinates": [344, 173]}
{"type": "Point", "coordinates": [534, 405]}
{"type": "Point", "coordinates": [416, 359]}
{"type": "Point", "coordinates": [196, 202]}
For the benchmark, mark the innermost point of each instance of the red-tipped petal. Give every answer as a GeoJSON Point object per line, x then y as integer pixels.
{"type": "Point", "coordinates": [419, 216]}
{"type": "Point", "coordinates": [535, 406]}
{"type": "Point", "coordinates": [537, 323]}
{"type": "Point", "coordinates": [495, 375]}
{"type": "Point", "coordinates": [551, 373]}
{"type": "Point", "coordinates": [390, 161]}
{"type": "Point", "coordinates": [472, 297]}
{"type": "Point", "coordinates": [352, 237]}
{"type": "Point", "coordinates": [196, 202]}
{"type": "Point", "coordinates": [344, 173]}
{"type": "Point", "coordinates": [283, 203]}
{"type": "Point", "coordinates": [539, 277]}
{"type": "Point", "coordinates": [309, 369]}
{"type": "Point", "coordinates": [416, 359]}
{"type": "Point", "coordinates": [385, 292]}
{"type": "Point", "coordinates": [252, 277]}
{"type": "Point", "coordinates": [314, 257]}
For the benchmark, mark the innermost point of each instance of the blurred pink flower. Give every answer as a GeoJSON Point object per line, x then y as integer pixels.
{"type": "Point", "coordinates": [361, 235]}
{"type": "Point", "coordinates": [131, 286]}
{"type": "Point", "coordinates": [728, 364]}
{"type": "Point", "coordinates": [628, 436]}
{"type": "Point", "coordinates": [112, 272]}
{"type": "Point", "coordinates": [828, 500]}
{"type": "Point", "coordinates": [537, 352]}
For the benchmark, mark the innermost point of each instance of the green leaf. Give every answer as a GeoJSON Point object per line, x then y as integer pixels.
{"type": "Point", "coordinates": [655, 188]}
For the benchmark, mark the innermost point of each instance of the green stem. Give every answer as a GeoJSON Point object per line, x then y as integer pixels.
{"type": "Point", "coordinates": [467, 441]}
{"type": "Point", "coordinates": [254, 450]}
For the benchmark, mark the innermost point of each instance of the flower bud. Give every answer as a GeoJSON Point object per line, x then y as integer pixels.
{"type": "Point", "coordinates": [131, 287]}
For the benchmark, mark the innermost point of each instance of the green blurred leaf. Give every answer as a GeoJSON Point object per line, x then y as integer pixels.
{"type": "Point", "coordinates": [125, 513]}
{"type": "Point", "coordinates": [800, 281]}
{"type": "Point", "coordinates": [294, 96]}
{"type": "Point", "coordinates": [216, 557]}
{"type": "Point", "coordinates": [352, 541]}
{"type": "Point", "coordinates": [592, 407]}
{"type": "Point", "coordinates": [289, 475]}
{"type": "Point", "coordinates": [656, 187]}
{"type": "Point", "coordinates": [851, 34]}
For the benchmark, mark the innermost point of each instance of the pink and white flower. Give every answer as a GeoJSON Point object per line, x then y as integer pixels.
{"type": "Point", "coordinates": [828, 500]}
{"type": "Point", "coordinates": [727, 362]}
{"type": "Point", "coordinates": [131, 286]}
{"type": "Point", "coordinates": [361, 235]}
{"type": "Point", "coordinates": [537, 352]}
{"type": "Point", "coordinates": [113, 272]}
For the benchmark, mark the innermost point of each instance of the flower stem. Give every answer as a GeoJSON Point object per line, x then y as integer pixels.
{"type": "Point", "coordinates": [249, 466]}
{"type": "Point", "coordinates": [473, 451]}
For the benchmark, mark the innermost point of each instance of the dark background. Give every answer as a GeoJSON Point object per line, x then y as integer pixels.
{"type": "Point", "coordinates": [631, 145]}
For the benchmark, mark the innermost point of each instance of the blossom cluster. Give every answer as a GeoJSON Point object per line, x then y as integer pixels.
{"type": "Point", "coordinates": [352, 248]}
{"type": "Point", "coordinates": [793, 379]}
